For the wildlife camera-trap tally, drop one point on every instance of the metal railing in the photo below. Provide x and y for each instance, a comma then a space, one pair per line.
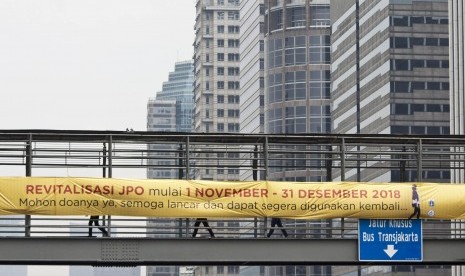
41, 226
225, 157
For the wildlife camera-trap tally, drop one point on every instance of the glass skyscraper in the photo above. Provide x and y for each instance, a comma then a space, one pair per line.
297, 75
297, 94
177, 90
170, 111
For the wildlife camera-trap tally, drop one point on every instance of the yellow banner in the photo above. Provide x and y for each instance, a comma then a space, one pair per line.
182, 198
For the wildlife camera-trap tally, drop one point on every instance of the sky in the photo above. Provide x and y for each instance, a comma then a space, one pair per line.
87, 64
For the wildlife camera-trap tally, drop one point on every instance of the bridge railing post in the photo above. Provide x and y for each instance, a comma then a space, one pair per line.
180, 177
420, 160
343, 175
27, 218
265, 175
110, 175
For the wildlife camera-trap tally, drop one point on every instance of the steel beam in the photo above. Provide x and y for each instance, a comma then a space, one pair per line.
147, 251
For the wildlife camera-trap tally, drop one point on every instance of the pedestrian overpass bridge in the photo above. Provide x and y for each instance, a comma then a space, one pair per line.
141, 241
223, 251
137, 241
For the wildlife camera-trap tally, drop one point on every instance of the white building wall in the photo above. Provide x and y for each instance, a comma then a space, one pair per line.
457, 94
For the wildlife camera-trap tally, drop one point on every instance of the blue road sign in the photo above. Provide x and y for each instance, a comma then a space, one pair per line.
390, 240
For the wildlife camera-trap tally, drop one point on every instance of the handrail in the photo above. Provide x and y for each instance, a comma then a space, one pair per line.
224, 156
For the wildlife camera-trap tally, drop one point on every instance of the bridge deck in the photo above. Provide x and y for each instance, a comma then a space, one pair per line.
147, 251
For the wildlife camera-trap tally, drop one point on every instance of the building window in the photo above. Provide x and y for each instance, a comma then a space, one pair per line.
275, 88
220, 43
295, 86
233, 127
220, 113
233, 113
233, 99
319, 84
320, 119
233, 43
410, 42
220, 127
319, 50
411, 64
220, 57
233, 15
276, 20
233, 71
220, 29
411, 109
220, 98
297, 16
233, 270
220, 15
233, 57
275, 54
233, 85
261, 9
220, 84
295, 48
409, 21
233, 29
220, 71
319, 15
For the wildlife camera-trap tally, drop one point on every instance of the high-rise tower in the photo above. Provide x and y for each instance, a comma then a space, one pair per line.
297, 77
216, 47
457, 96
390, 73
297, 98
216, 89
252, 76
170, 111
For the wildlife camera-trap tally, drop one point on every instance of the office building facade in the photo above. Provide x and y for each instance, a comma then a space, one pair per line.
177, 90
216, 69
297, 98
297, 77
170, 111
216, 54
389, 75
252, 79
457, 63
252, 76
457, 74
390, 70
457, 95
